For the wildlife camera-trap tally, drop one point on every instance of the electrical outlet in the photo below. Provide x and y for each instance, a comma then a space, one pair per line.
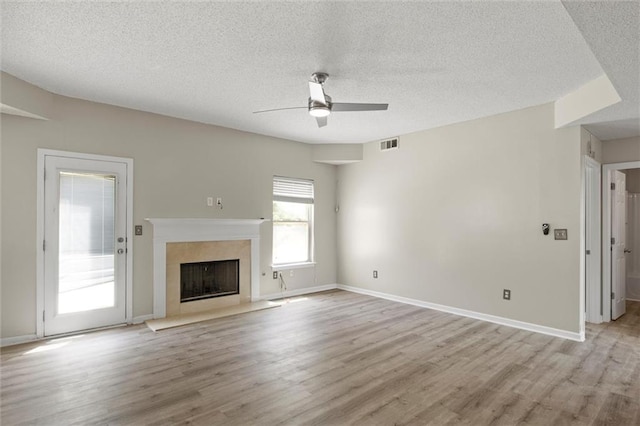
291, 273
375, 274
560, 234
210, 201
506, 294
138, 229
275, 275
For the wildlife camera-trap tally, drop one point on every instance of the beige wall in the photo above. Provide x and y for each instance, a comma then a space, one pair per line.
621, 150
633, 180
588, 141
454, 216
21, 98
177, 164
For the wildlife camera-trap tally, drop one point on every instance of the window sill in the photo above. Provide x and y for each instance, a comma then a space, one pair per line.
298, 265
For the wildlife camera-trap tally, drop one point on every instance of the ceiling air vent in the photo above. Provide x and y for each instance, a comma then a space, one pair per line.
389, 144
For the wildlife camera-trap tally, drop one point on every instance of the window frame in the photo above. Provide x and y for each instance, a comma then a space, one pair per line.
300, 191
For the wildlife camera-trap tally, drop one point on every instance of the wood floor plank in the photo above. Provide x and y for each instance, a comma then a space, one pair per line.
333, 358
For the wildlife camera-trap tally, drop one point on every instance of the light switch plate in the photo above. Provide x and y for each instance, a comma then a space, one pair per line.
138, 229
560, 234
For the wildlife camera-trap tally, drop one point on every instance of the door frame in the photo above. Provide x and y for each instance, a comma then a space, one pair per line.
591, 216
606, 233
40, 219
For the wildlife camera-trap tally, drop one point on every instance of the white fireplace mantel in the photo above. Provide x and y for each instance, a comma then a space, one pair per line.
174, 230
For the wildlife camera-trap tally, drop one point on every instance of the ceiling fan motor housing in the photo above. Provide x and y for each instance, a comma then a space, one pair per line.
320, 77
317, 109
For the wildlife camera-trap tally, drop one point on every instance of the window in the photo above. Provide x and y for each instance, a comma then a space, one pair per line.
292, 220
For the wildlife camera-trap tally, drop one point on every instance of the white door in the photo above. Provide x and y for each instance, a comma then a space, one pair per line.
618, 233
84, 244
593, 245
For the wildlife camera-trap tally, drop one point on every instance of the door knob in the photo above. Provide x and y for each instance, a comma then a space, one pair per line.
120, 251
627, 251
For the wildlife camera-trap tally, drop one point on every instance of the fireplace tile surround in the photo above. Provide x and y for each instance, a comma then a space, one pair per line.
201, 251
236, 232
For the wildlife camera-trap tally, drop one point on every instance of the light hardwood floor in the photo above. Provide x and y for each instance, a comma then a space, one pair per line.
335, 358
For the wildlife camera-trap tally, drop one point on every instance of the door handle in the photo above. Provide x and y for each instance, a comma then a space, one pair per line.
627, 251
120, 251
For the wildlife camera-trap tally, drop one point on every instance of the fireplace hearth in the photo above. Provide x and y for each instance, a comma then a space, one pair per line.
205, 280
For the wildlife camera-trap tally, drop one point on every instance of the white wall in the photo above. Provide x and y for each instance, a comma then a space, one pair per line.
177, 164
593, 96
454, 216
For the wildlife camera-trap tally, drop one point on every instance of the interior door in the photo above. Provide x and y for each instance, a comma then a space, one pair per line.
618, 234
85, 244
593, 243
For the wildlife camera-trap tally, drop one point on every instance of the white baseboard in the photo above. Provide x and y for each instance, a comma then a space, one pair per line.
579, 337
298, 292
142, 318
10, 341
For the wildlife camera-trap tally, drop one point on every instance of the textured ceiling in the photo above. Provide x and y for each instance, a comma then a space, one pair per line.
612, 30
435, 63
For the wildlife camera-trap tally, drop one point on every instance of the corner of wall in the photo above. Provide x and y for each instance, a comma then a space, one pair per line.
24, 99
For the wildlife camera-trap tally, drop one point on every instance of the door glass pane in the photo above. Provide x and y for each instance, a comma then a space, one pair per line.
86, 242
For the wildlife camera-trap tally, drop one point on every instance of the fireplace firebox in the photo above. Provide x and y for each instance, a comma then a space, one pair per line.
204, 280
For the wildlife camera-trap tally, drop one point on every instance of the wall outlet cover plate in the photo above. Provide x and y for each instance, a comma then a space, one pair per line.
506, 294
560, 234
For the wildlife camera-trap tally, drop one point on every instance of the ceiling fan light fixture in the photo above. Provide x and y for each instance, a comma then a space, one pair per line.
319, 111
320, 105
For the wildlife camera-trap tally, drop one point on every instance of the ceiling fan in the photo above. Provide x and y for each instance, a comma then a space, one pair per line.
320, 104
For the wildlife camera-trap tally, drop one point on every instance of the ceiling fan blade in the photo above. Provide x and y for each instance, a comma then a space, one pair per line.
337, 106
278, 109
322, 121
316, 93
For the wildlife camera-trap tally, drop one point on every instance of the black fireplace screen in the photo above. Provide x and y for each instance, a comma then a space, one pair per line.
203, 280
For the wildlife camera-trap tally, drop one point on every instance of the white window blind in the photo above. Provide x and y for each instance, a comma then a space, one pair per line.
292, 220
292, 190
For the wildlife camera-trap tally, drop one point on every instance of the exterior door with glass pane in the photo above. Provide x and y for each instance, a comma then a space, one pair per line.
85, 244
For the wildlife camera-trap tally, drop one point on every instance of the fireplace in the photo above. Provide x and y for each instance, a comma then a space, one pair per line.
192, 266
204, 280
177, 241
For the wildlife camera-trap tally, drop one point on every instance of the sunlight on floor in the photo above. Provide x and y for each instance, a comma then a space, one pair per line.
289, 300
53, 344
